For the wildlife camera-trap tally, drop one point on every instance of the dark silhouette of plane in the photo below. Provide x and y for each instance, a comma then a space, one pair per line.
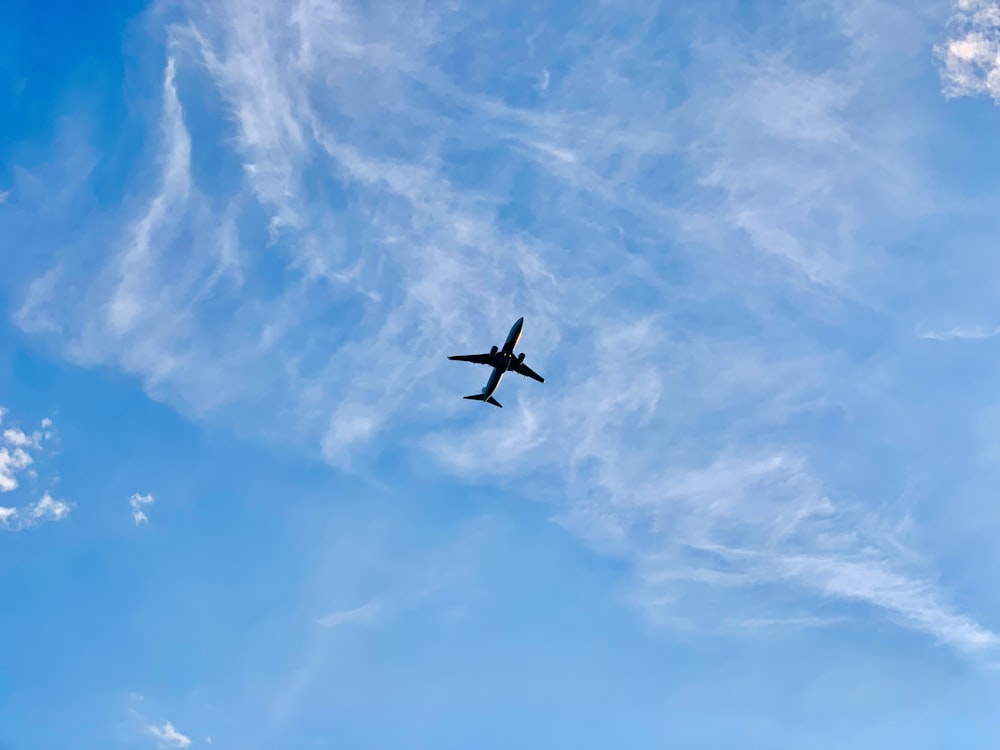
502, 360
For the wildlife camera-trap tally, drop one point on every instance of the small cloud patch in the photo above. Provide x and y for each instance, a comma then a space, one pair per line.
168, 736
970, 59
137, 502
49, 509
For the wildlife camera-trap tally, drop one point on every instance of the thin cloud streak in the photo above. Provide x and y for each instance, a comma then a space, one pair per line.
960, 332
366, 614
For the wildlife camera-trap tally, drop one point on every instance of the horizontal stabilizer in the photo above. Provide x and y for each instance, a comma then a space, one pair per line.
479, 397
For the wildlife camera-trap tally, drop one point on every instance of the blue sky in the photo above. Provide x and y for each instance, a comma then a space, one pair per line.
754, 504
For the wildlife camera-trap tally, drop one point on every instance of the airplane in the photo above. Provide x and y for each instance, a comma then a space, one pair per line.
501, 360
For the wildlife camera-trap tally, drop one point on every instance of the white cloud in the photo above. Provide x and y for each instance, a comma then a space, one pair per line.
12, 462
49, 509
16, 437
960, 332
543, 80
971, 56
137, 502
682, 263
805, 621
168, 736
32, 314
873, 581
3, 196
46, 508
744, 523
366, 614
19, 439
135, 284
15, 456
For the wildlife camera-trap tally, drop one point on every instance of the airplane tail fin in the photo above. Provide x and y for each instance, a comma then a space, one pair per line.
479, 397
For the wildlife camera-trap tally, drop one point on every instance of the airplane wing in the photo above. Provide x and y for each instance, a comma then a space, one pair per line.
479, 359
523, 369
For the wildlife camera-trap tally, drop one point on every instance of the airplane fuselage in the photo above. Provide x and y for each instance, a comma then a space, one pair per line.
501, 359
504, 360
513, 337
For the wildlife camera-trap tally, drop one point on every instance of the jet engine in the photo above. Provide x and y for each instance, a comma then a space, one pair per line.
520, 358
493, 350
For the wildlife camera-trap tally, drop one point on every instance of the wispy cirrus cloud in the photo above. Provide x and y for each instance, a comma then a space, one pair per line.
972, 333
366, 614
693, 262
960, 332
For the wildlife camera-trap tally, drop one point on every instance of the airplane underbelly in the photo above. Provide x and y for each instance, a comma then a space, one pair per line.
494, 381
513, 337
